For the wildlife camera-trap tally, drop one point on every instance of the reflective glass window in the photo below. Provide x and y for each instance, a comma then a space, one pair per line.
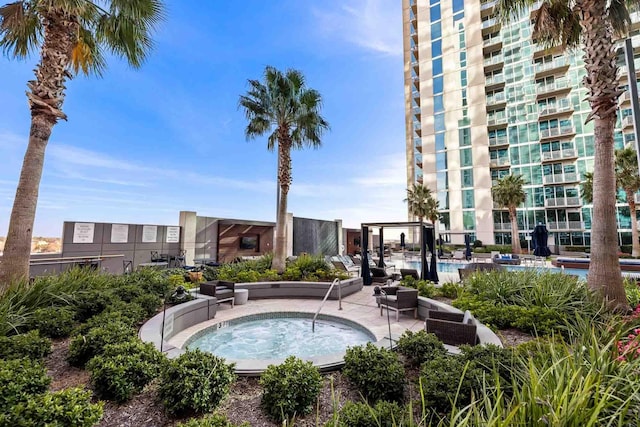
435, 12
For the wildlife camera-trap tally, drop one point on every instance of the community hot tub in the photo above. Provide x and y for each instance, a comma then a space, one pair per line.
255, 341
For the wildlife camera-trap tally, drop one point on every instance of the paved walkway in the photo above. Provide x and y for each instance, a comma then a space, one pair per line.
359, 307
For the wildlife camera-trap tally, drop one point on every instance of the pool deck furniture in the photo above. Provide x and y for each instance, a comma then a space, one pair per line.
481, 257
399, 298
474, 267
222, 290
583, 263
379, 275
411, 272
241, 296
507, 259
452, 328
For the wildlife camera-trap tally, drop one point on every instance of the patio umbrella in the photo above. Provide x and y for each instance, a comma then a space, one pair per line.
365, 273
381, 241
423, 254
467, 244
402, 244
431, 241
540, 236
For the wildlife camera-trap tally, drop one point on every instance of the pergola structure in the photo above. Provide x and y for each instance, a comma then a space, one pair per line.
427, 240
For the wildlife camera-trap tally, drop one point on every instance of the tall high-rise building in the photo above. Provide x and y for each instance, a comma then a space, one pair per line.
483, 101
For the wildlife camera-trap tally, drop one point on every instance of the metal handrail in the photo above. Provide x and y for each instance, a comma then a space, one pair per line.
313, 323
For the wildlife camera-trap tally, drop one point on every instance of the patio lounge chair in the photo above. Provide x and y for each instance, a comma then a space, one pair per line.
409, 272
474, 267
452, 328
399, 298
223, 291
379, 275
340, 264
507, 259
458, 256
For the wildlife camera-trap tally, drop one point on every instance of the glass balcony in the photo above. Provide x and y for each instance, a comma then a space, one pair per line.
559, 155
490, 41
488, 23
560, 178
496, 120
498, 98
416, 111
559, 202
494, 80
557, 63
558, 85
492, 60
501, 162
627, 122
558, 131
560, 107
498, 140
566, 225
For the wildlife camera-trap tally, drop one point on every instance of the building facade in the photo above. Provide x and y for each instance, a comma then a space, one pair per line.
483, 100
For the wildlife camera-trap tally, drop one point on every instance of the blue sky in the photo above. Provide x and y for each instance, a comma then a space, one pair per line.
142, 145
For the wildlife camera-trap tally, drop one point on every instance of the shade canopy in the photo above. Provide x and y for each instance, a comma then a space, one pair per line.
540, 236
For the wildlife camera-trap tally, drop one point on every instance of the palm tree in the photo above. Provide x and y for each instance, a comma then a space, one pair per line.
286, 107
422, 204
628, 179
592, 25
72, 36
508, 193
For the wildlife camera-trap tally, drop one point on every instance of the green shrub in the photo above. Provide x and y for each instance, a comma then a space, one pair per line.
151, 280
420, 346
20, 379
195, 382
67, 408
176, 280
375, 372
292, 273
477, 243
269, 276
30, 345
127, 292
53, 322
130, 310
123, 370
633, 292
290, 389
493, 360
382, 414
247, 276
214, 420
149, 303
107, 317
92, 302
425, 288
210, 273
448, 381
309, 264
84, 347
450, 290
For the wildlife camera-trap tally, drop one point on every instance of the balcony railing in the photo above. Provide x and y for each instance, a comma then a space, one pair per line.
560, 178
627, 122
556, 108
550, 65
489, 23
566, 225
569, 153
494, 80
484, 5
502, 226
503, 161
498, 140
496, 99
416, 110
562, 202
492, 121
550, 87
493, 59
488, 41
559, 131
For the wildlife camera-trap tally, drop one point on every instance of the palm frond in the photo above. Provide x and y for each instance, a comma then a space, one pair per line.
508, 10
20, 29
508, 192
87, 55
619, 17
557, 24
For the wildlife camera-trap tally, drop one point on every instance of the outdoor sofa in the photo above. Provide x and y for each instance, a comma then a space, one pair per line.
222, 290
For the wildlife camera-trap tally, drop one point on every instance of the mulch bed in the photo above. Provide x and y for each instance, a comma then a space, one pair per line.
242, 404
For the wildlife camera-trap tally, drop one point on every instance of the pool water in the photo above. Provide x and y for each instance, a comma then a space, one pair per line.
277, 338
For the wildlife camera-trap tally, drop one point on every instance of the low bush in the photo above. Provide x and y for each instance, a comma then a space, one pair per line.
215, 420
426, 288
493, 360
107, 317
127, 292
450, 290
85, 346
20, 379
130, 310
30, 345
449, 381
382, 414
67, 408
92, 302
375, 372
632, 289
420, 346
53, 322
290, 389
123, 370
195, 382
150, 303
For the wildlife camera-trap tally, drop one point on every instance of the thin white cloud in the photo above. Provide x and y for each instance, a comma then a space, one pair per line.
375, 25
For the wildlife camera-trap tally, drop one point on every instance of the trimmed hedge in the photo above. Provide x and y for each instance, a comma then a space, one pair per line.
91, 344
20, 379
53, 322
375, 372
30, 345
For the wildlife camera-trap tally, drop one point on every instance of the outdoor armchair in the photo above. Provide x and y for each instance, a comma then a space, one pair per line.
452, 328
222, 290
399, 298
379, 275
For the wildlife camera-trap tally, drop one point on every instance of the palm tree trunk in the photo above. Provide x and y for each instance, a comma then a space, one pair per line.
601, 81
515, 235
45, 99
284, 176
635, 248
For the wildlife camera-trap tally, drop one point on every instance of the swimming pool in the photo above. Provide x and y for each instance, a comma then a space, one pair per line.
278, 335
